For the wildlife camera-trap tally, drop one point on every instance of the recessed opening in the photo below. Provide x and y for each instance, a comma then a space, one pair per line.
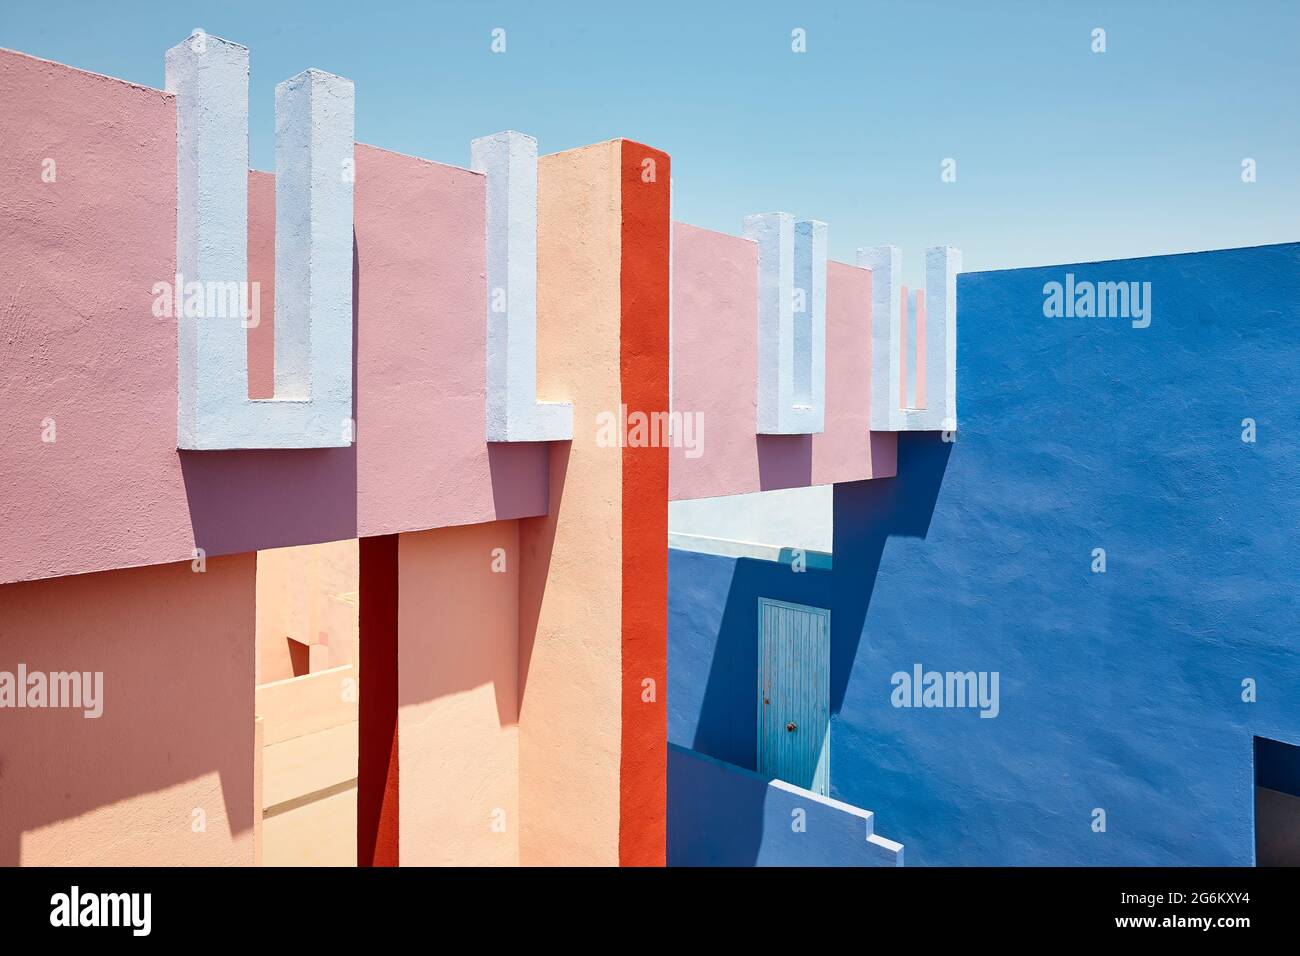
790, 525
307, 696
1277, 803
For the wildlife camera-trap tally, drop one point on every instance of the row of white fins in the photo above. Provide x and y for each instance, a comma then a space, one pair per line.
312, 407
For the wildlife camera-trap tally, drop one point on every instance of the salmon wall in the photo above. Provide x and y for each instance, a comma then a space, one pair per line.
165, 775
306, 609
458, 646
593, 587
570, 719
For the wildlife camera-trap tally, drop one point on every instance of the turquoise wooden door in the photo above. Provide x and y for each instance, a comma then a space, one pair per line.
794, 694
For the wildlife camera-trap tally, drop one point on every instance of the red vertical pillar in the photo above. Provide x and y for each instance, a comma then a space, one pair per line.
377, 819
643, 361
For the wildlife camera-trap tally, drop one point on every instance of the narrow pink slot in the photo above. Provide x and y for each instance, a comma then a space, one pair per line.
902, 347
920, 348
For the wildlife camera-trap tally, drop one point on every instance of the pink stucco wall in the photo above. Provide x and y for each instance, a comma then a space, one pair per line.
715, 369
423, 460
848, 450
81, 346
78, 257
82, 349
176, 735
261, 267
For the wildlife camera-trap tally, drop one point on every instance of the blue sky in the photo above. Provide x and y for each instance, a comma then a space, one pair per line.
1062, 154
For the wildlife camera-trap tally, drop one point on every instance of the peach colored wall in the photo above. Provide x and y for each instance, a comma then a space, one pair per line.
309, 731
458, 622
78, 263
307, 594
571, 587
310, 594
715, 373
176, 735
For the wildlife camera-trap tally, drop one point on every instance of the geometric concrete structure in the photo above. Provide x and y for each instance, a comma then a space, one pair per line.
486, 749
914, 342
212, 301
716, 378
495, 652
510, 597
886, 265
592, 602
791, 323
809, 326
509, 160
705, 829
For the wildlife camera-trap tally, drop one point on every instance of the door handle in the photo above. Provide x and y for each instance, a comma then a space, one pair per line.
791, 727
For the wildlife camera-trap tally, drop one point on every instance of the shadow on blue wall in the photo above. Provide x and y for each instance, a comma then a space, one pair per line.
727, 725
1136, 693
723, 815
721, 717
1277, 766
714, 819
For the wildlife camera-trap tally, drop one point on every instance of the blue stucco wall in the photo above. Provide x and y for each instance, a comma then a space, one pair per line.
1120, 691
723, 815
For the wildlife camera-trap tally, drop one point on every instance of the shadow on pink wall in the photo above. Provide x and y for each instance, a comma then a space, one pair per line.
86, 352
176, 654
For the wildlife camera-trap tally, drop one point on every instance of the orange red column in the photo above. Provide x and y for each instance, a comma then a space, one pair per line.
643, 360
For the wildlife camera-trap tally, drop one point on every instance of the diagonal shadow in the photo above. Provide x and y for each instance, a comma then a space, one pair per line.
867, 514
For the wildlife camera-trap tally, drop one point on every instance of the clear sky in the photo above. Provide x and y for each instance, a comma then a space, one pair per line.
1062, 154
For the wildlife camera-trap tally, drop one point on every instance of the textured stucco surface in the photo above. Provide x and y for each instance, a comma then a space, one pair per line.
458, 643
78, 341
570, 675
715, 374
509, 161
261, 269
208, 77
783, 518
594, 579
82, 347
176, 735
423, 460
306, 596
914, 340
724, 815
643, 373
791, 323
1120, 691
